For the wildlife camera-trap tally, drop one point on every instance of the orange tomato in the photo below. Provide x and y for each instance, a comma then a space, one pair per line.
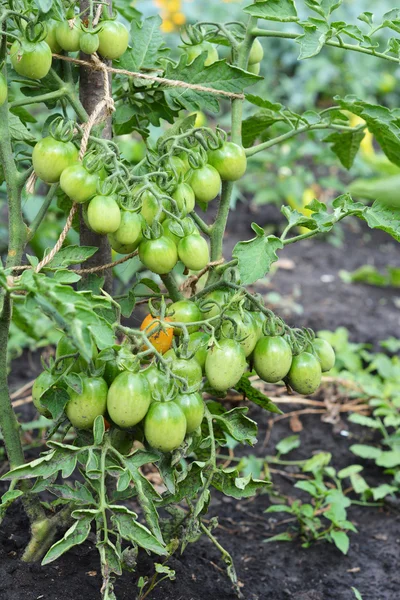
161, 340
107, 425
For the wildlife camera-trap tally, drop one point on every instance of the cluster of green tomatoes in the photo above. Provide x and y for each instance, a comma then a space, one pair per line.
152, 385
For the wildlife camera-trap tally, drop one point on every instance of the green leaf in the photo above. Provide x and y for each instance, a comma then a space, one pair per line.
382, 216
341, 540
237, 425
274, 10
131, 530
71, 255
147, 45
288, 444
98, 430
317, 462
229, 482
359, 484
365, 451
263, 103
126, 10
389, 459
254, 395
348, 471
256, 256
365, 421
357, 594
41, 467
75, 535
307, 486
313, 39
345, 145
44, 5
280, 537
55, 400
278, 508
7, 499
17, 129
79, 494
257, 124
110, 561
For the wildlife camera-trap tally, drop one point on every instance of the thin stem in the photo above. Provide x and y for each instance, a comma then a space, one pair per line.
42, 211
201, 224
258, 32
172, 287
37, 99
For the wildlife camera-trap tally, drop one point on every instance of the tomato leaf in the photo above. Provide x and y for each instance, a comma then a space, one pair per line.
147, 45
341, 540
313, 39
237, 425
274, 10
254, 395
132, 531
345, 145
256, 256
232, 484
75, 535
382, 216
71, 255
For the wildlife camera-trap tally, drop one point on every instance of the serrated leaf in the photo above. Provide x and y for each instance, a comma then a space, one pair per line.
256, 256
231, 484
341, 540
263, 103
55, 400
237, 425
41, 467
312, 40
71, 255
147, 45
256, 396
345, 145
130, 529
384, 217
274, 10
17, 129
257, 124
79, 494
7, 499
75, 535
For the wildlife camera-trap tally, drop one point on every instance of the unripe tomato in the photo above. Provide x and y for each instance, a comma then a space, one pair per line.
113, 39
161, 340
184, 311
130, 230
213, 303
78, 183
128, 399
259, 320
68, 35
325, 354
120, 248
189, 369
201, 119
42, 383
255, 69
3, 89
66, 347
89, 42
185, 198
50, 157
198, 341
244, 331
111, 371
158, 381
31, 59
192, 406
150, 207
193, 251
225, 364
82, 409
194, 51
104, 215
165, 426
176, 166
272, 358
304, 376
206, 183
50, 38
159, 256
229, 160
168, 231
256, 53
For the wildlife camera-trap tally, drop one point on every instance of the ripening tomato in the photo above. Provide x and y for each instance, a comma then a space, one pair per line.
130, 230
305, 373
50, 39
325, 354
225, 364
82, 409
40, 386
241, 327
113, 39
192, 406
31, 59
3, 89
50, 157
194, 51
165, 426
89, 42
185, 198
184, 311
206, 183
159, 255
193, 251
229, 160
198, 343
128, 399
161, 340
78, 183
68, 35
104, 215
272, 358
256, 53
189, 369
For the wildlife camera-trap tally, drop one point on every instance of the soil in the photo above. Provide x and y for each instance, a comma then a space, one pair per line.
266, 571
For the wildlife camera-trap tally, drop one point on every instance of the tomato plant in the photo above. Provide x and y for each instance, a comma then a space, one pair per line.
130, 158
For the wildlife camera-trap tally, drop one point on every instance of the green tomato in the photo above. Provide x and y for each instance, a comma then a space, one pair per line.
243, 329
130, 230
41, 385
128, 399
325, 354
113, 39
89, 43
104, 215
121, 440
50, 157
150, 206
66, 347
159, 256
256, 53
167, 231
225, 364
255, 69
272, 358
158, 381
78, 183
213, 302
165, 426
184, 311
176, 167
185, 198
111, 371
120, 248
206, 183
259, 320
50, 38
82, 409
31, 59
229, 160
192, 406
198, 343
3, 89
189, 369
194, 51
305, 373
67, 36
193, 251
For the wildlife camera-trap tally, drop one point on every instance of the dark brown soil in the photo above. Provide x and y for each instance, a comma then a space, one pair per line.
276, 571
